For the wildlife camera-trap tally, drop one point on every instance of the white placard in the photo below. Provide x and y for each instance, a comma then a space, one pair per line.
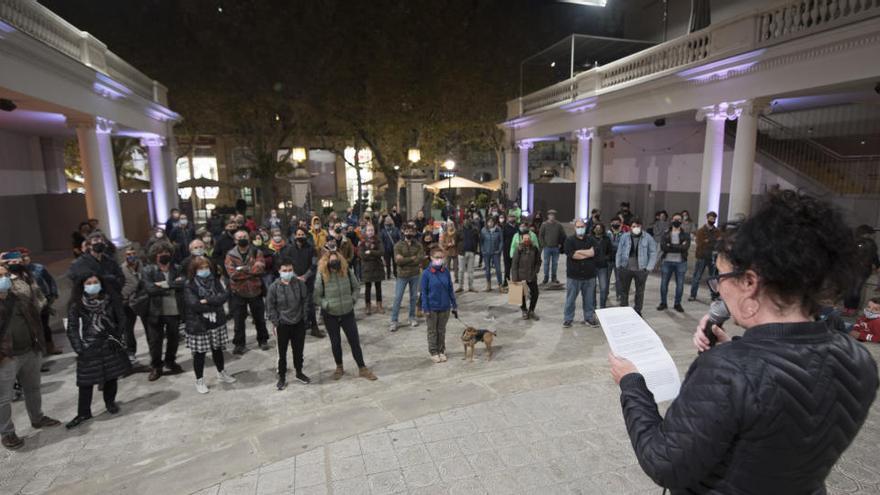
630, 337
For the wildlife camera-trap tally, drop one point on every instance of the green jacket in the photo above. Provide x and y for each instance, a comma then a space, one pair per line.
515, 242
413, 254
338, 295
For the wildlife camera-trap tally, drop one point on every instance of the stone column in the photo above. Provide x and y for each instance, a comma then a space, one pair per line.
524, 147
102, 191
158, 178
597, 171
52, 151
511, 178
582, 173
169, 161
744, 159
713, 156
415, 193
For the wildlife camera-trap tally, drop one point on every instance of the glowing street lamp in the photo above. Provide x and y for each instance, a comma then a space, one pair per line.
449, 165
299, 154
414, 155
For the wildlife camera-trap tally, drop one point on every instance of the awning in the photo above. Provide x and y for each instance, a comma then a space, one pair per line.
458, 183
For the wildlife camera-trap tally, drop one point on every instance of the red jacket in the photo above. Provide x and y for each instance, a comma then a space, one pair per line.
247, 281
869, 330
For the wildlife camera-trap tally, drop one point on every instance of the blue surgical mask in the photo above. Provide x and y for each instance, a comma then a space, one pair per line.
92, 289
868, 313
5, 283
287, 276
204, 272
580, 230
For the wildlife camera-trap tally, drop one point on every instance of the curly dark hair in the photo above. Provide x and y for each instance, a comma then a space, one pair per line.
799, 245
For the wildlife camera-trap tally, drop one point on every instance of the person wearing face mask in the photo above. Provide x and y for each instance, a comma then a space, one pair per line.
551, 235
94, 327
370, 251
395, 217
509, 229
438, 299
96, 260
675, 244
131, 270
687, 224
206, 329
260, 241
420, 221
409, 254
604, 259
450, 242
636, 256
304, 258
319, 235
773, 410
867, 327
336, 292
660, 225
21, 348
706, 238
197, 250
580, 271
526, 264
181, 236
79, 237
492, 245
470, 242
172, 220
868, 263
523, 230
286, 305
224, 243
273, 221
245, 267
164, 282
390, 236
48, 287
614, 235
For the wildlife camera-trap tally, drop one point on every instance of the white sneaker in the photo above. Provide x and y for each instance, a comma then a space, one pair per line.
435, 358
200, 386
225, 377
442, 357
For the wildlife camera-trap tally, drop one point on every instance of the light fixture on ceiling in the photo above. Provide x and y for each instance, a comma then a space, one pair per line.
552, 64
587, 3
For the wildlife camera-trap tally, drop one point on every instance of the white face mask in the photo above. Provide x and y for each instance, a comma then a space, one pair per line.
637, 230
871, 315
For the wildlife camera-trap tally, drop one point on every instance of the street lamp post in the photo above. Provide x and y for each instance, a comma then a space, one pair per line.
449, 165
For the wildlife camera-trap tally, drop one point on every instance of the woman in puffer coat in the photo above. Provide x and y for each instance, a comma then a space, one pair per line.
95, 322
370, 252
772, 411
336, 292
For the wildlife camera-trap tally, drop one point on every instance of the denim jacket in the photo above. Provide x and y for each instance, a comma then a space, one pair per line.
647, 251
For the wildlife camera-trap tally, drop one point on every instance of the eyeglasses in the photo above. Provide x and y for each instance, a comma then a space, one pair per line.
714, 280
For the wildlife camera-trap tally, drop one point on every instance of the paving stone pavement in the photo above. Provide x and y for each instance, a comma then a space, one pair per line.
542, 417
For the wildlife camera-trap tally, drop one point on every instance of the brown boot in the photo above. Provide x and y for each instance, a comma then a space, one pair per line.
12, 441
379, 308
338, 373
366, 373
369, 309
155, 373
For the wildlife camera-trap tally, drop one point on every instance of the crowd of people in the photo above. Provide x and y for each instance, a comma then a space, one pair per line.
297, 274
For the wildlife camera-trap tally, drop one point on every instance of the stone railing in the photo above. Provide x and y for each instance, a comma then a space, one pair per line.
43, 25
783, 21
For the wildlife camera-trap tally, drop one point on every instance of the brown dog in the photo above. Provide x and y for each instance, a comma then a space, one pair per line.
471, 336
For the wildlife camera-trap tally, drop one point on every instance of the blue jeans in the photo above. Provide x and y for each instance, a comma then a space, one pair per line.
586, 289
551, 261
602, 278
491, 260
669, 267
399, 288
698, 274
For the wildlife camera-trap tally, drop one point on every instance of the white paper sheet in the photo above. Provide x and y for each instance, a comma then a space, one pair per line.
630, 337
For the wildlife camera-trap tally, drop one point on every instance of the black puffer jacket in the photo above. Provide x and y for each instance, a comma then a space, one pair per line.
196, 321
768, 413
99, 357
152, 274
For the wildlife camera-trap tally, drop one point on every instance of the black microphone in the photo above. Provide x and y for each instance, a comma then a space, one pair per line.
718, 314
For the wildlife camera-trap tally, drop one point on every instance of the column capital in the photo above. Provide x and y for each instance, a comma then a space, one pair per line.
586, 133
98, 124
525, 145
753, 107
719, 111
153, 142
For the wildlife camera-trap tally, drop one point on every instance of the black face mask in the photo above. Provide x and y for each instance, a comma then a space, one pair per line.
334, 264
242, 242
300, 240
16, 268
165, 259
676, 223
408, 236
98, 248
615, 226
